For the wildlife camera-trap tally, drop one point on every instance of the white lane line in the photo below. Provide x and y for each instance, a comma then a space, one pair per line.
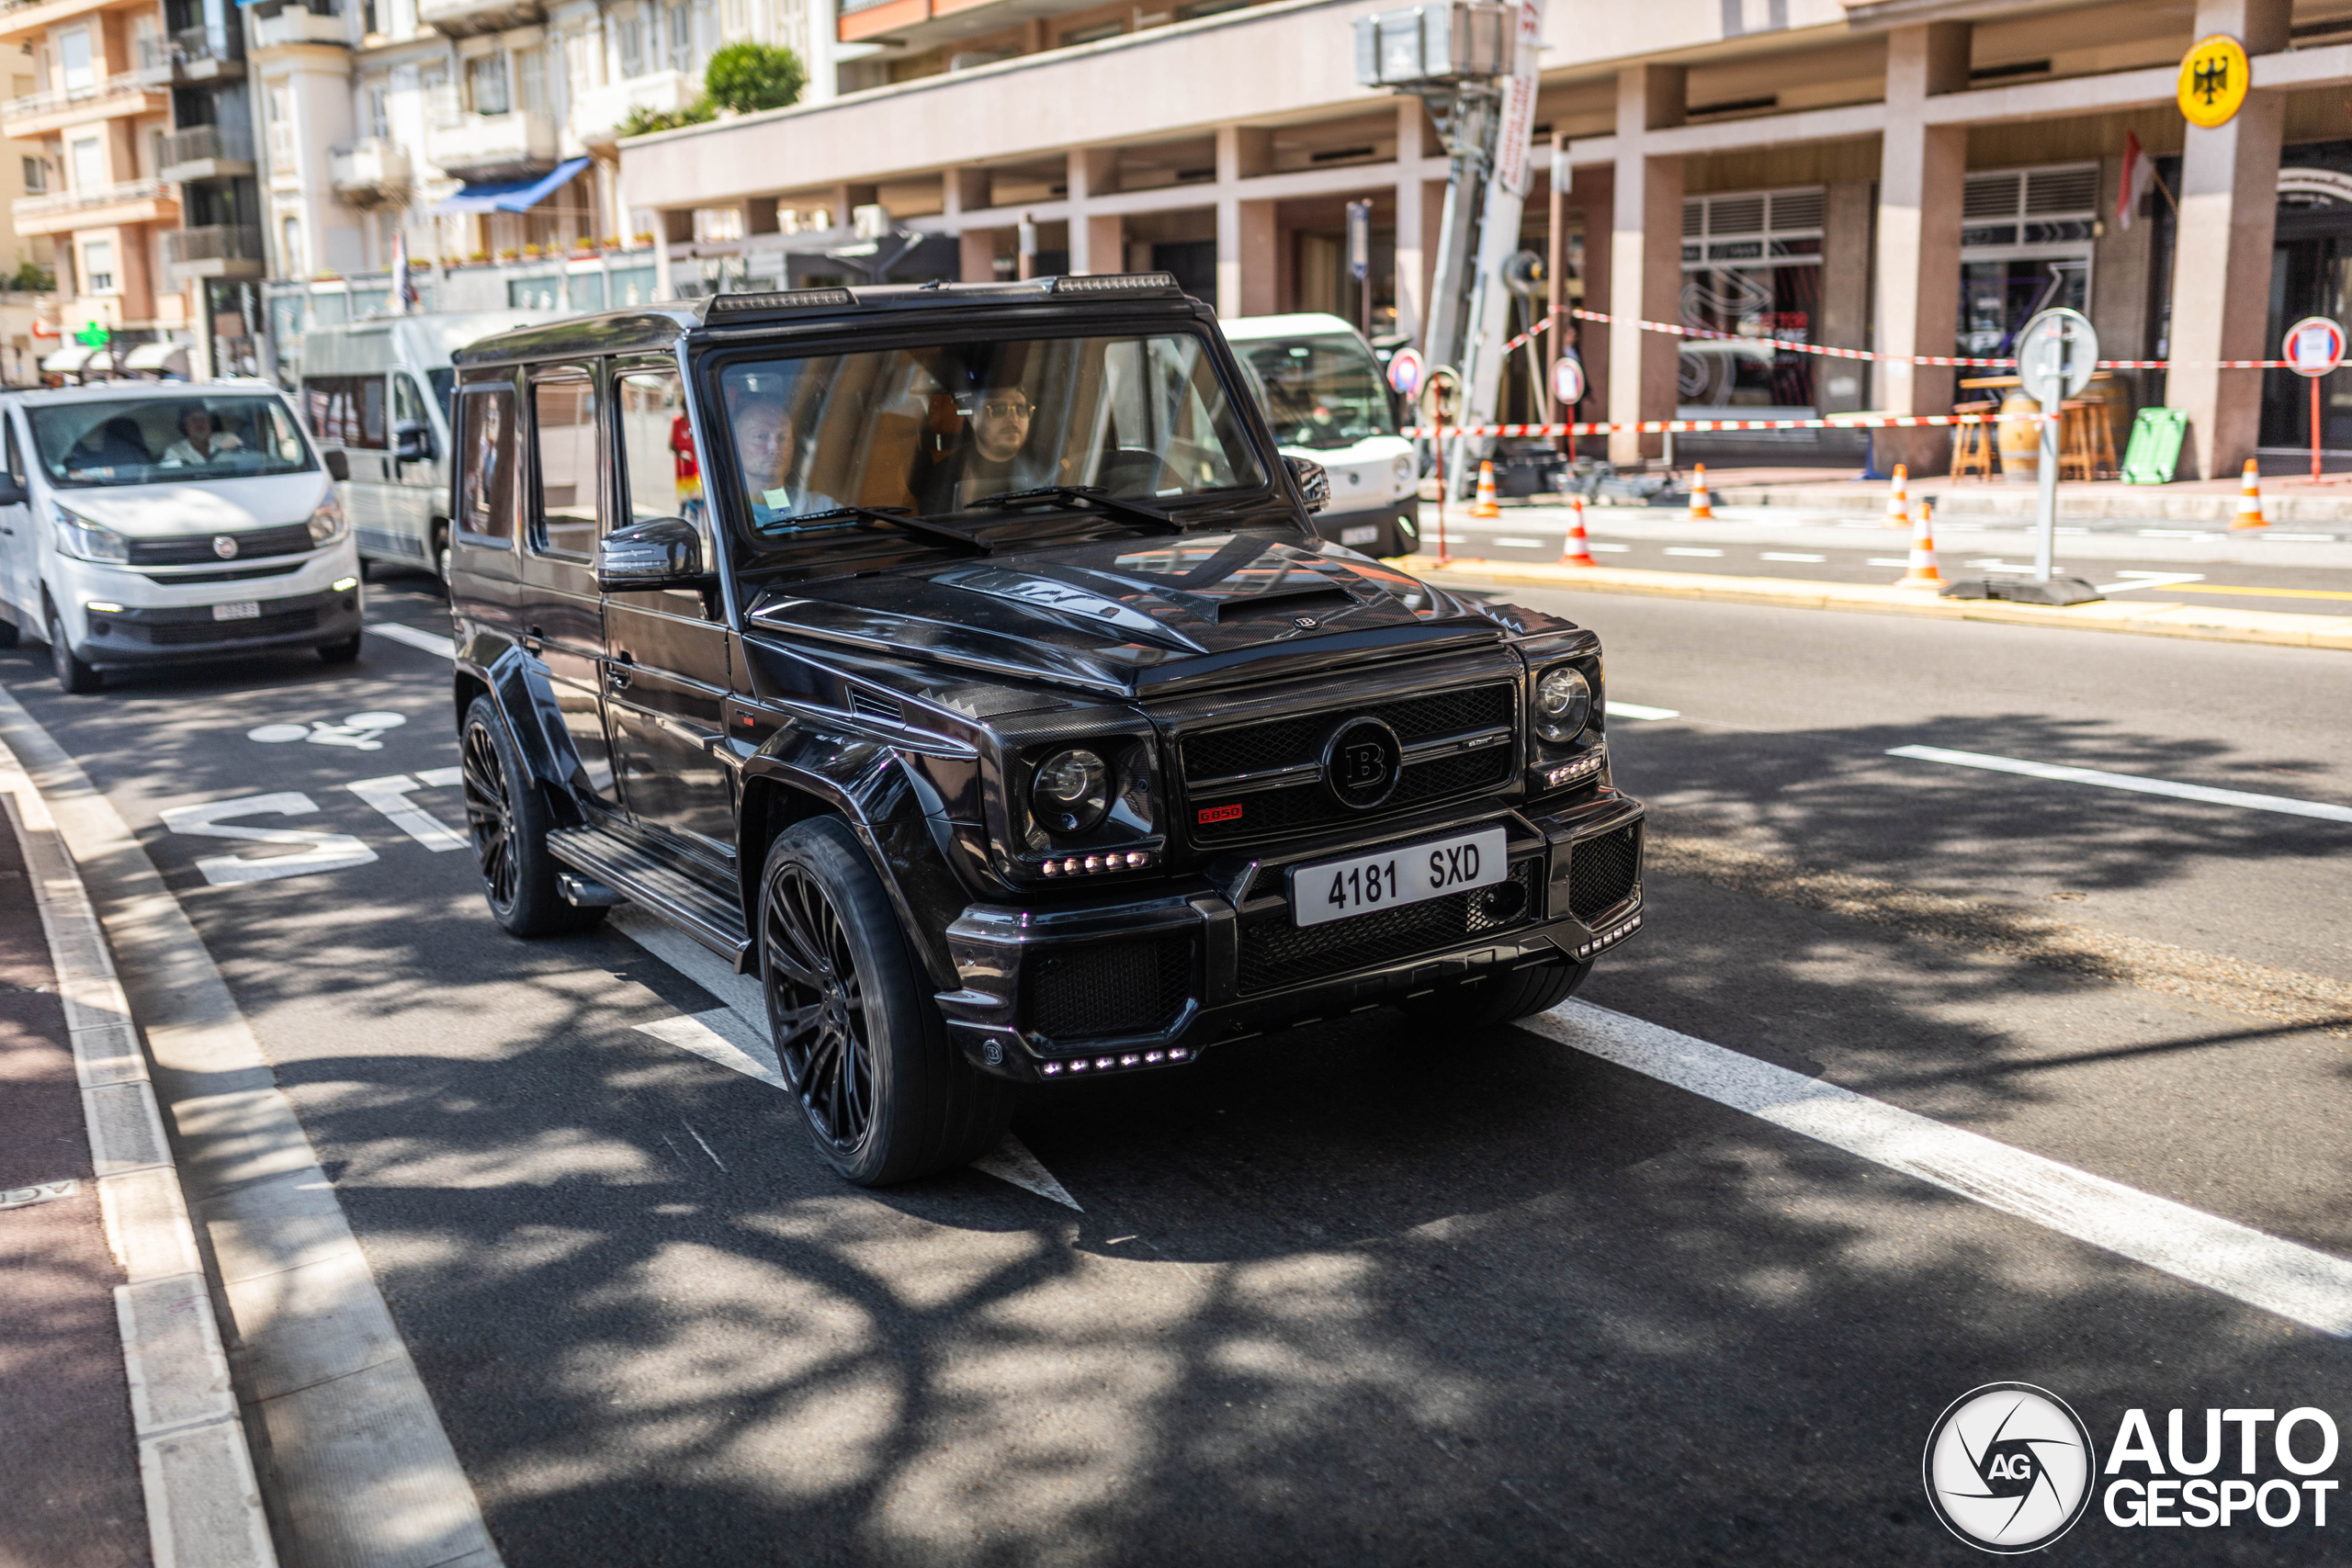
2298, 1282
1616, 709
736, 1037
390, 794
2174, 534
416, 637
1524, 544
1596, 547
2272, 534
1688, 550
2285, 803
1888, 561
1784, 555
2132, 579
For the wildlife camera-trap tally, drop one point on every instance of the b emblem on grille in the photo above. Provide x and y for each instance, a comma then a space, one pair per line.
1305, 623
1360, 762
224, 546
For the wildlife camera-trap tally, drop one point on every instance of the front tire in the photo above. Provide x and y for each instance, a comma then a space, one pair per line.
1501, 999
507, 819
73, 674
884, 1092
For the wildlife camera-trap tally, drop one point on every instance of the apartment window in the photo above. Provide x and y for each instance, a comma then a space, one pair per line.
88, 164
440, 97
631, 31
379, 113
36, 175
792, 26
73, 69
368, 14
681, 29
486, 83
289, 252
531, 65
98, 265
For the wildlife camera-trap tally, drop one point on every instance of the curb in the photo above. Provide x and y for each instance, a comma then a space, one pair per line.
203, 1501
358, 1469
2136, 504
2141, 618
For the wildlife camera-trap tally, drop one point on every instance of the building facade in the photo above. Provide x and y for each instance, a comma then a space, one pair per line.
1911, 178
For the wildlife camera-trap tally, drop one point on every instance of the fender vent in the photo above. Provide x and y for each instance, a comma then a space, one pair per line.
867, 706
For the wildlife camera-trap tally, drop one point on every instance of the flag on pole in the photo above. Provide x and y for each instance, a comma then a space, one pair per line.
404, 298
2139, 171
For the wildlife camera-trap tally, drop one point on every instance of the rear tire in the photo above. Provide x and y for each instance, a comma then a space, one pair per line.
1501, 999
507, 819
10, 634
885, 1094
73, 674
344, 652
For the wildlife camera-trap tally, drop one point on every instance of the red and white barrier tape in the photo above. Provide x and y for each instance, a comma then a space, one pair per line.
1677, 331
1677, 426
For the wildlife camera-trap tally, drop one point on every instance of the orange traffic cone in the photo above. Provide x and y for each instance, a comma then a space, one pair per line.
1485, 505
1577, 551
2249, 513
1898, 499
1923, 572
1703, 505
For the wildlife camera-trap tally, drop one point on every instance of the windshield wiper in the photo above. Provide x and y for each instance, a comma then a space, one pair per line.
903, 518
1150, 517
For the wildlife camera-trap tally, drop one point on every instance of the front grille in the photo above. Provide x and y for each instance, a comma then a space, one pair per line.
197, 549
1135, 987
1275, 953
239, 574
1603, 871
185, 633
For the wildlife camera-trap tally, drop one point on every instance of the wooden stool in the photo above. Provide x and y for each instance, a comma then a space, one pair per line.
1973, 444
2085, 440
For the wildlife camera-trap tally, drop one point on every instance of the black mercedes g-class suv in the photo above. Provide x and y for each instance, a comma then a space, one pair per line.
962, 663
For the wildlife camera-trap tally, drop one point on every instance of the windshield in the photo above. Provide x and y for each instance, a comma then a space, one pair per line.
164, 440
938, 429
1321, 392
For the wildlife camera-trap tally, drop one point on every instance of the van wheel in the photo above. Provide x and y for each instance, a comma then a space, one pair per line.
886, 1095
507, 819
72, 675
344, 652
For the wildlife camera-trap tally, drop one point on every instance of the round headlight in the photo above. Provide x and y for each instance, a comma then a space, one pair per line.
1071, 791
1563, 702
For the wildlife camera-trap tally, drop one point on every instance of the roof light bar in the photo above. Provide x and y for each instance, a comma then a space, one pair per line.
780, 299
1117, 283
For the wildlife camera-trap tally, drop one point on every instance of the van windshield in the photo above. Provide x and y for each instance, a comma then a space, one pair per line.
1321, 392
939, 431
165, 440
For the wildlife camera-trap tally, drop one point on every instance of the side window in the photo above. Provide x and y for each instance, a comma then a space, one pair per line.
407, 402
486, 480
662, 475
563, 443
346, 411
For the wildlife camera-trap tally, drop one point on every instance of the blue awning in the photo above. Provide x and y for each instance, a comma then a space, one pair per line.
513, 196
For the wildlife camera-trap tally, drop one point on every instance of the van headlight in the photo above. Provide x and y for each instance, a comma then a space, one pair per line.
1401, 473
85, 540
327, 523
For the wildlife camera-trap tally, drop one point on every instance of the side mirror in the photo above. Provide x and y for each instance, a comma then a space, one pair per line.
338, 462
663, 553
412, 442
1314, 484
12, 490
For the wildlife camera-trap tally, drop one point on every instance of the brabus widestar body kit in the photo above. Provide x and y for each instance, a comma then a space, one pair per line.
960, 661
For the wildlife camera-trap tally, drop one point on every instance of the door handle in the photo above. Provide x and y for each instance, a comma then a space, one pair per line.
617, 670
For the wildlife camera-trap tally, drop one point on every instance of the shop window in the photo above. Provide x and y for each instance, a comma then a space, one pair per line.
486, 83
2025, 247
1751, 270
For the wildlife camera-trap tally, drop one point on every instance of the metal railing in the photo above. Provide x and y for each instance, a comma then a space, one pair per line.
188, 46
90, 196
216, 241
42, 103
202, 143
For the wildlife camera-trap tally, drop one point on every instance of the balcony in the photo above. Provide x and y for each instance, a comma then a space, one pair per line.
458, 18
191, 57
217, 250
296, 24
597, 112
206, 153
97, 206
40, 112
517, 145
373, 173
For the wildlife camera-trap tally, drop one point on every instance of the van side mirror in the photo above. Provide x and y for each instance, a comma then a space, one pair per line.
412, 442
1314, 484
12, 490
663, 553
338, 462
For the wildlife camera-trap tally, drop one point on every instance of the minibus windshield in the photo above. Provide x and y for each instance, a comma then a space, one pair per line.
1322, 393
165, 440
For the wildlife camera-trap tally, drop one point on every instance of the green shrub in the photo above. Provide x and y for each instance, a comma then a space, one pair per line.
749, 77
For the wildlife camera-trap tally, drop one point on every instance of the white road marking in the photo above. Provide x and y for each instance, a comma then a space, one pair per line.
1616, 709
2285, 803
736, 1037
1888, 561
320, 852
360, 732
1688, 550
1525, 544
2297, 1282
2296, 538
2174, 534
416, 637
390, 794
704, 1142
1599, 548
1995, 563
1783, 555
2132, 579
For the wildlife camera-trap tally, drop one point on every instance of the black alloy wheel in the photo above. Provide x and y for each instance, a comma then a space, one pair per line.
507, 821
864, 1050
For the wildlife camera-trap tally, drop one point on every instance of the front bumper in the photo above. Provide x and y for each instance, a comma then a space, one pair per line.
1390, 530
141, 634
1138, 982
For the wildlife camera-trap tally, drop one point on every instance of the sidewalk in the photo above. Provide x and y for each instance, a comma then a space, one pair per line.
120, 1442
2287, 497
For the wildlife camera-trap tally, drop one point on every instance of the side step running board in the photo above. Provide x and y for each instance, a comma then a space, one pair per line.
622, 868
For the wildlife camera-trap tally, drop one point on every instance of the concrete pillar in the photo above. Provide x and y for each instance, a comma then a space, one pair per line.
1646, 258
2221, 278
676, 226
1844, 317
1592, 192
1922, 169
961, 191
849, 196
1097, 241
1246, 260
1414, 237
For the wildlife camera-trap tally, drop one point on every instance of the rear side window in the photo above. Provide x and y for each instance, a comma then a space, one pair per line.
346, 411
563, 423
16, 453
486, 483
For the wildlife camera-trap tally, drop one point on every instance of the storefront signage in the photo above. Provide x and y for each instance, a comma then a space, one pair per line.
2213, 79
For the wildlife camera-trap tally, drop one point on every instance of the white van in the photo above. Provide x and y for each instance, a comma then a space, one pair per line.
379, 392
150, 523
1326, 402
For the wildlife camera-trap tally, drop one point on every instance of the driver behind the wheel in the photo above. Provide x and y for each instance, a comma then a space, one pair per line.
767, 445
994, 455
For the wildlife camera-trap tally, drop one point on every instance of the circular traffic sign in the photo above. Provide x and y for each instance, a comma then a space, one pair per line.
1567, 379
2214, 76
2056, 353
2314, 347
1405, 372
